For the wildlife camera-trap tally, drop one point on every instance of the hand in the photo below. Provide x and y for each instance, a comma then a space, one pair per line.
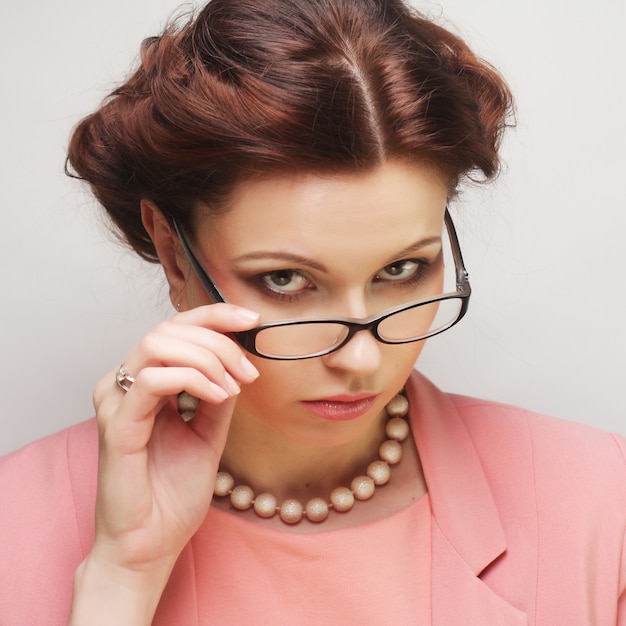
156, 472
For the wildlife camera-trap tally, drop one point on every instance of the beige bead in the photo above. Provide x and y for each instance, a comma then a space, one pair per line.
242, 497
390, 451
363, 487
379, 472
342, 499
224, 483
265, 505
291, 511
397, 428
187, 405
398, 406
316, 509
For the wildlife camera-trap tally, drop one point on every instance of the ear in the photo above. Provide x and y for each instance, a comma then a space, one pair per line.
168, 249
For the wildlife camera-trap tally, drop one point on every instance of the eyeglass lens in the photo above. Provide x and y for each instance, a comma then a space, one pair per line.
308, 338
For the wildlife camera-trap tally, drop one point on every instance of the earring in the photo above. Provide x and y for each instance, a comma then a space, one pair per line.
178, 307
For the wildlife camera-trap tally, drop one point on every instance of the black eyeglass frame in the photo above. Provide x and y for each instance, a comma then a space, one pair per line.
247, 338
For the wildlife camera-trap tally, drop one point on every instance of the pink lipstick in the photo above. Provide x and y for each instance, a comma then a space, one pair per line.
341, 408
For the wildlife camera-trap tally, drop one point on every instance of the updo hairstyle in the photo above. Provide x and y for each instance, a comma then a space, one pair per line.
253, 88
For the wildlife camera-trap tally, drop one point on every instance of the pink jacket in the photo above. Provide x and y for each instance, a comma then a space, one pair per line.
529, 518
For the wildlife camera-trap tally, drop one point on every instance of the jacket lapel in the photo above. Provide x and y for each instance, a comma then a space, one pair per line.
467, 535
459, 596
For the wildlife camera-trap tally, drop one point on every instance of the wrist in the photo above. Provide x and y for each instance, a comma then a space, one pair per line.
106, 594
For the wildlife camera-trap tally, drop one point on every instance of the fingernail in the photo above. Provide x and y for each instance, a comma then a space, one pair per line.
246, 315
231, 384
220, 393
249, 369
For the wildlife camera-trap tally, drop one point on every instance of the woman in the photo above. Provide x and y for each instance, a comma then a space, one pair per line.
268, 453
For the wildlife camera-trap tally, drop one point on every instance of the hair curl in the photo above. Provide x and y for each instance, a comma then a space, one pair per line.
251, 88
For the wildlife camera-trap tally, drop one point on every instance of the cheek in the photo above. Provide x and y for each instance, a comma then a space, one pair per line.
410, 353
278, 382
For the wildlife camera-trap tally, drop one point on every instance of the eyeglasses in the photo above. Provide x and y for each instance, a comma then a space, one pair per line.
306, 339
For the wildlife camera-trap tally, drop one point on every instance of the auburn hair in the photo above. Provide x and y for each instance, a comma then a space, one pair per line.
247, 88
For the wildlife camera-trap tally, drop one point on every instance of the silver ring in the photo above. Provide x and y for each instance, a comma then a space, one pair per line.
123, 379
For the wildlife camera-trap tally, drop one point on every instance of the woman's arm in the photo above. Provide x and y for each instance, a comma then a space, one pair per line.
155, 471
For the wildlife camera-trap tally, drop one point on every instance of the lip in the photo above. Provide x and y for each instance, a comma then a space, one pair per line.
342, 407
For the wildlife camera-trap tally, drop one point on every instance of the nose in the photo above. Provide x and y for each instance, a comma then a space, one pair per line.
360, 356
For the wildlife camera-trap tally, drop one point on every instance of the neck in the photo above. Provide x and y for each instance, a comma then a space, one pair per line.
269, 461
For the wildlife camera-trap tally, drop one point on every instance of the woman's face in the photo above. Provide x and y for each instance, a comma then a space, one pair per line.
310, 246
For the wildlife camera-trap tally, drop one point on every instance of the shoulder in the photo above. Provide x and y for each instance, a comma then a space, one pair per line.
550, 440
511, 435
536, 467
51, 468
46, 521
563, 474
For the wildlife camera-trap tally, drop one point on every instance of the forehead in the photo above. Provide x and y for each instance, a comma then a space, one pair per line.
312, 214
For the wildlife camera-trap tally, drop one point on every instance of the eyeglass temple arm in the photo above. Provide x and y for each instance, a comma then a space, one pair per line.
207, 283
462, 276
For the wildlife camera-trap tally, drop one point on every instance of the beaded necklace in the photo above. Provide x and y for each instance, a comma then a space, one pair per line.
292, 511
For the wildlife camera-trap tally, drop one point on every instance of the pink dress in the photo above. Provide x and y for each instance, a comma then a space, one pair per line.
377, 573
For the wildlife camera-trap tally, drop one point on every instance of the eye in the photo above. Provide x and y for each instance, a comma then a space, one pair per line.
285, 281
399, 271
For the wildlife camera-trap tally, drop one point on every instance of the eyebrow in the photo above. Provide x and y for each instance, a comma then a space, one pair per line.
288, 257
296, 259
413, 248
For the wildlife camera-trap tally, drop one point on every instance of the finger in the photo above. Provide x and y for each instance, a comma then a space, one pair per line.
171, 344
162, 351
156, 385
222, 316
